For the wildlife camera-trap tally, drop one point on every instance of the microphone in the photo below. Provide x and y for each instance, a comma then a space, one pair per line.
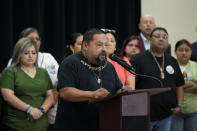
122, 63
131, 69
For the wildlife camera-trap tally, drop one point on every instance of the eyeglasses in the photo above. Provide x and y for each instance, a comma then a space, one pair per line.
133, 45
108, 30
165, 37
182, 50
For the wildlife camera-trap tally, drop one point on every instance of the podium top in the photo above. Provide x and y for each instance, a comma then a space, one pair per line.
152, 91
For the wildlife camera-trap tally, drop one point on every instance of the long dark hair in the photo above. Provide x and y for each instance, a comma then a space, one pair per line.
71, 41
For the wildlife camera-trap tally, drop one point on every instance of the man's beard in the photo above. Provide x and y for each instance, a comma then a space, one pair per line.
99, 61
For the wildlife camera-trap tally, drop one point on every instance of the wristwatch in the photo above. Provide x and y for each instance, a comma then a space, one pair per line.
180, 106
42, 110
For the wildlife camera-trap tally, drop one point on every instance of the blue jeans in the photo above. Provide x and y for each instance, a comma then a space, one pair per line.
184, 122
161, 125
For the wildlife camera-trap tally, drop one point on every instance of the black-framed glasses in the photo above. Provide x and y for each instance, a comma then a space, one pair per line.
108, 30
165, 37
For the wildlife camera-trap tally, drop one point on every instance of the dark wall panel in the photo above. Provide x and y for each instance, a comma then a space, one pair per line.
57, 19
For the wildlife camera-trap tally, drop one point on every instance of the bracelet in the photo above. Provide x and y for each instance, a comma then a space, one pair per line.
27, 108
180, 106
29, 111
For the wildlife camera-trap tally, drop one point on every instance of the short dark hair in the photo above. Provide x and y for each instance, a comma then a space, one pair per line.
181, 42
158, 28
88, 36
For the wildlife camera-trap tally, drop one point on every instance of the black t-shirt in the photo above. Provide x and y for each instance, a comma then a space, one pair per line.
162, 103
194, 50
75, 71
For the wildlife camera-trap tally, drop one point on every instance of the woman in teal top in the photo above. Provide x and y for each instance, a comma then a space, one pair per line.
187, 120
26, 89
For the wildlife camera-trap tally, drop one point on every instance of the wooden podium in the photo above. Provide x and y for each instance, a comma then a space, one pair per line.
127, 111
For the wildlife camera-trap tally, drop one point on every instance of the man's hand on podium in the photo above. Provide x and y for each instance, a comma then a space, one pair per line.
99, 94
124, 89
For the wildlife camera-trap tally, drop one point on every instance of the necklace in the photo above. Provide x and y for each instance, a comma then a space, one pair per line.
96, 71
161, 68
93, 68
98, 78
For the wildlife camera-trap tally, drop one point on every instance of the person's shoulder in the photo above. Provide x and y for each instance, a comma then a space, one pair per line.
72, 59
170, 57
46, 54
109, 64
41, 69
193, 62
194, 44
10, 69
141, 54
46, 58
141, 58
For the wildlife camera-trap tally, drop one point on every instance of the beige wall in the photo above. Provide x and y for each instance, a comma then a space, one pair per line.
179, 17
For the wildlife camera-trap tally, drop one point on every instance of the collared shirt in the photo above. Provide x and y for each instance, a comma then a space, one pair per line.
145, 42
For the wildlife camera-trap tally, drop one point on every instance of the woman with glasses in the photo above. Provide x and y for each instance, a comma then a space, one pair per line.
125, 77
186, 121
46, 61
131, 47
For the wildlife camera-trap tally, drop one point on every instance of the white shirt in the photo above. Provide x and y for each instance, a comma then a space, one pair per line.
48, 62
145, 42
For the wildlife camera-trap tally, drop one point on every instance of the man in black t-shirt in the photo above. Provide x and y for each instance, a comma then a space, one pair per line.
84, 77
156, 63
